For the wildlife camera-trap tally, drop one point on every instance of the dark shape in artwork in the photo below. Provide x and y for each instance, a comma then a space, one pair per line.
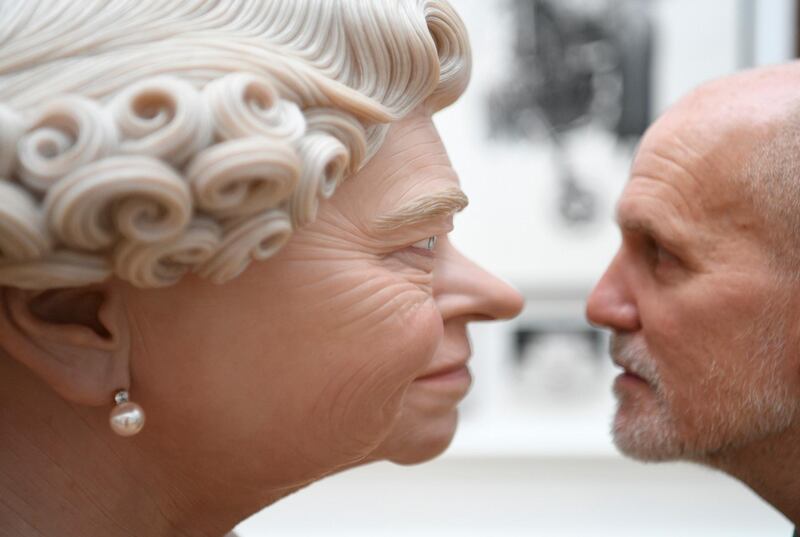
575, 64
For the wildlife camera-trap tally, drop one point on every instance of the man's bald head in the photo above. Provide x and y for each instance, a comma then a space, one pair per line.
745, 129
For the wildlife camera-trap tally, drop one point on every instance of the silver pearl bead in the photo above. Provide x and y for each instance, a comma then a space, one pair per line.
127, 419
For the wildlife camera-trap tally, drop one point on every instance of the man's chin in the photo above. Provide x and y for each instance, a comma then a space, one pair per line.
646, 437
644, 453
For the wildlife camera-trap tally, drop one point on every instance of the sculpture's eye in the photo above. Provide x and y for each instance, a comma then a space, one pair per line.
428, 244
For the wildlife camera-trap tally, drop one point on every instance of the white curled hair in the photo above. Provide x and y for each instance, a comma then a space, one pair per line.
146, 139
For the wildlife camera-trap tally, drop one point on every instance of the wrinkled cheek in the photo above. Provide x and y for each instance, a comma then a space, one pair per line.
363, 405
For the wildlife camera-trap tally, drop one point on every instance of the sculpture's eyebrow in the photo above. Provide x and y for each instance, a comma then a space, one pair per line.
428, 206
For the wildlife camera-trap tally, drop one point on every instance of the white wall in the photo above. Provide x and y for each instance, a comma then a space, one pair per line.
522, 497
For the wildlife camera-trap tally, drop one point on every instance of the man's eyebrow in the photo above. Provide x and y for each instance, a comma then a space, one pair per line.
425, 207
635, 224
646, 225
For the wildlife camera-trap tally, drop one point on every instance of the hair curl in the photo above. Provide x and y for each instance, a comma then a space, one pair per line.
145, 139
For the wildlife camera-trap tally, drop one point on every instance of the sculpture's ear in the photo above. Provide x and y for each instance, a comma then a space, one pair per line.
76, 340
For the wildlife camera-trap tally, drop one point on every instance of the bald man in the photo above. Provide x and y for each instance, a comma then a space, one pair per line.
703, 296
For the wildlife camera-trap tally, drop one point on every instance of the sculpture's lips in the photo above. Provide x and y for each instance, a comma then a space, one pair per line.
451, 368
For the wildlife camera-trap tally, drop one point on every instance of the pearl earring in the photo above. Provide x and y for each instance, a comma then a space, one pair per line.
126, 418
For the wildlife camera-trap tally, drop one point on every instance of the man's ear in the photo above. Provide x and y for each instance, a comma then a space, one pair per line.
76, 340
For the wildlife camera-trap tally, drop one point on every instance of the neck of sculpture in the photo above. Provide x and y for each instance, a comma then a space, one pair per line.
62, 472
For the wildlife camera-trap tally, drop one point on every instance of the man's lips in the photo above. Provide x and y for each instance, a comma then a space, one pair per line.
628, 370
632, 376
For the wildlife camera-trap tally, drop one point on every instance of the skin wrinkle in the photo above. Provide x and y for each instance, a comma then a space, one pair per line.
352, 385
706, 162
371, 316
410, 131
374, 383
332, 275
384, 313
406, 168
402, 165
135, 477
662, 183
74, 483
417, 269
335, 399
4, 501
399, 163
698, 158
323, 241
99, 506
683, 148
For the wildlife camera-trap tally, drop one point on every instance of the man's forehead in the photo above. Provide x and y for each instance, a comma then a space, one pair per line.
723, 121
689, 203
694, 158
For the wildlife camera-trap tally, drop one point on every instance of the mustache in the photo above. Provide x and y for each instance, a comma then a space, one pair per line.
631, 354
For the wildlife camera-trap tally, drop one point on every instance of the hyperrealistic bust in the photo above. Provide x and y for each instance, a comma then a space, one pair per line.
224, 237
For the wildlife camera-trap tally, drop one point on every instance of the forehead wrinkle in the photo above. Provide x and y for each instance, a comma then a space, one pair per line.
671, 166
706, 148
417, 122
702, 165
702, 200
667, 170
658, 189
424, 158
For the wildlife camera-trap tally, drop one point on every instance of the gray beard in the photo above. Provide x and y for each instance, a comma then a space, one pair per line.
732, 412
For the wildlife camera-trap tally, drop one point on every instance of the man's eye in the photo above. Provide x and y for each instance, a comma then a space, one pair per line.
663, 257
659, 256
428, 244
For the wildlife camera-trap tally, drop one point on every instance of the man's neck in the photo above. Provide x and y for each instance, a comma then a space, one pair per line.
771, 467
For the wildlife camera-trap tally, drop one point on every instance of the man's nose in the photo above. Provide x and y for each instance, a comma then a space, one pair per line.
469, 290
611, 303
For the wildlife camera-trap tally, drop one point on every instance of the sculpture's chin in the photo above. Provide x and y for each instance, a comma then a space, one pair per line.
419, 444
